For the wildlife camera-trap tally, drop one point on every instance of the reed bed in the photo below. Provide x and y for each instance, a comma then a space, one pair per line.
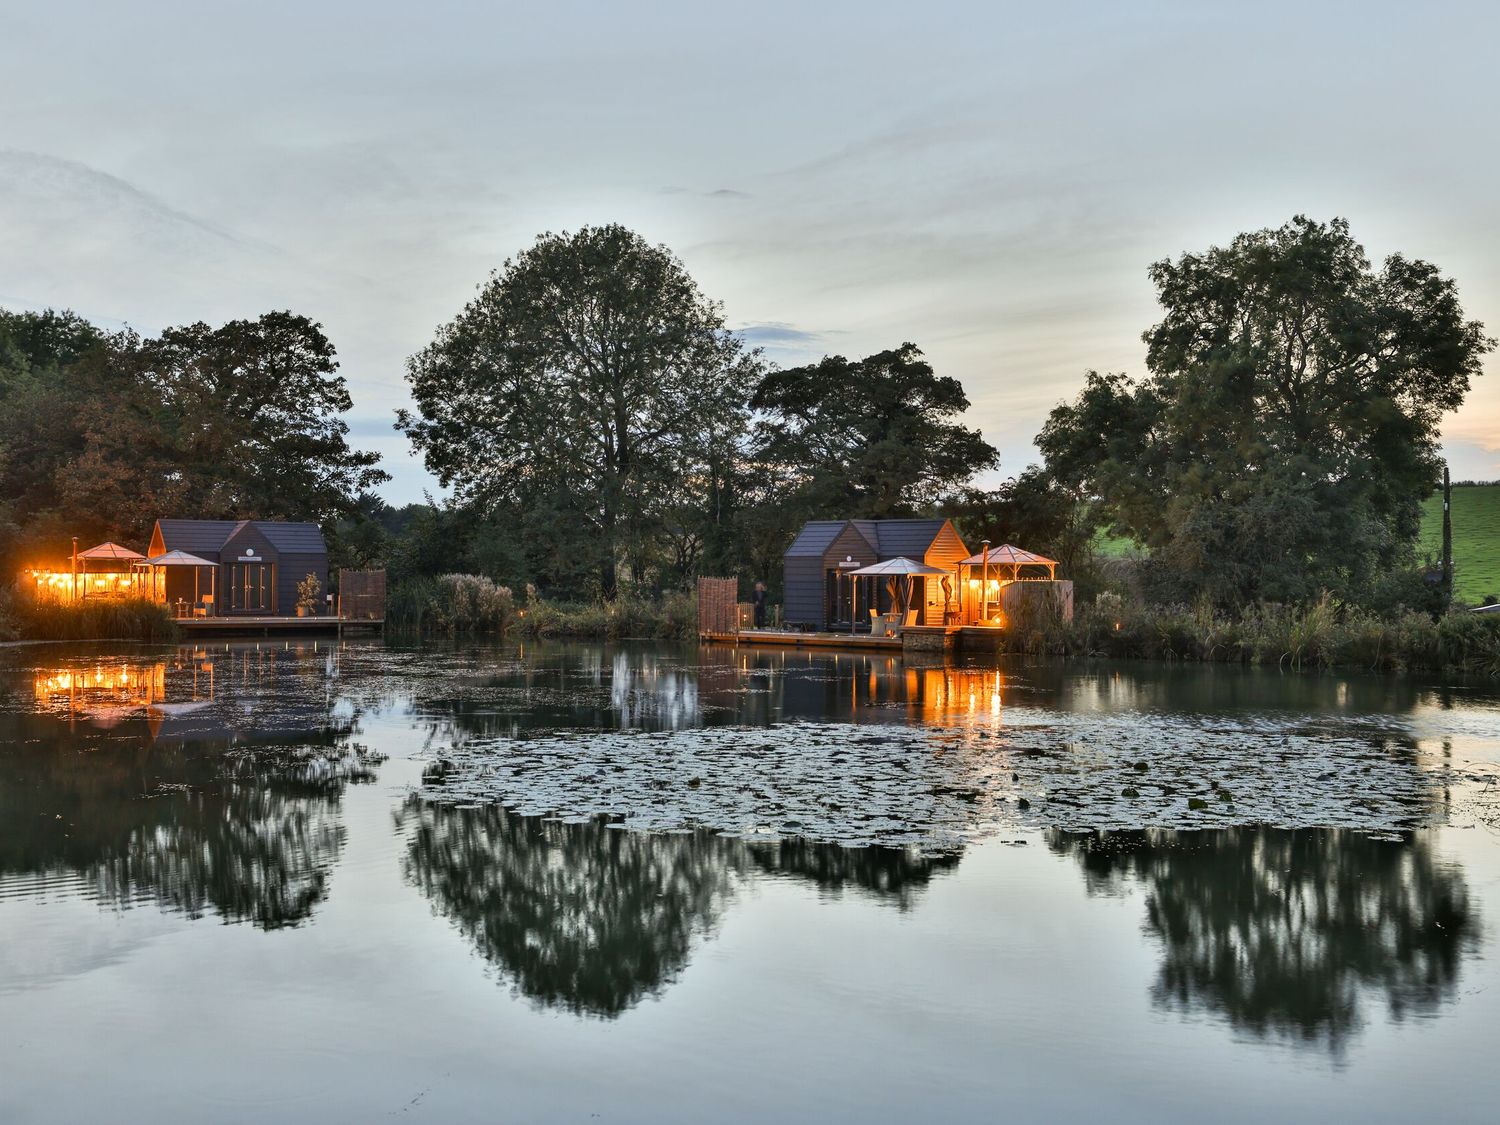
1323, 634
130, 619
472, 605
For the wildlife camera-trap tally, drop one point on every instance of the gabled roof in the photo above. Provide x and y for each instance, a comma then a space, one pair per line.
293, 538
815, 537
194, 536
912, 538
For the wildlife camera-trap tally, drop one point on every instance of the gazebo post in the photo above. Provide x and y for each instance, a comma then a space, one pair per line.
984, 582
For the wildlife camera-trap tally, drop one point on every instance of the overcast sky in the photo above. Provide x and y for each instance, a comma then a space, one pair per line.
987, 180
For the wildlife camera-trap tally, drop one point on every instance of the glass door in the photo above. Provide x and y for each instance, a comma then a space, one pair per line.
250, 586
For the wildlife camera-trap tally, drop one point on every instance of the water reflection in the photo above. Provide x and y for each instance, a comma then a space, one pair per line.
591, 919
655, 687
1291, 934
203, 780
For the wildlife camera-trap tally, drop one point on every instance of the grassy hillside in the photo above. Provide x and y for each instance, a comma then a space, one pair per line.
1476, 539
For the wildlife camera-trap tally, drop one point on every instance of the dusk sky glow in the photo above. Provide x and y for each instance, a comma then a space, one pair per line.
989, 181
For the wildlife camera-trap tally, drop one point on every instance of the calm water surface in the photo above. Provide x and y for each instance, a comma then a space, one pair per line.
254, 882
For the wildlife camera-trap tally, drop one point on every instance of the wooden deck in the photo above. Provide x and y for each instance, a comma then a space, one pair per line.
265, 626
789, 639
931, 638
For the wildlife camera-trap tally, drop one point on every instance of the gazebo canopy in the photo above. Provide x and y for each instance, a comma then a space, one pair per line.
177, 558
897, 568
1006, 555
111, 551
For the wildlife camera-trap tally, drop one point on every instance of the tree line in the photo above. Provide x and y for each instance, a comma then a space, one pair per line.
599, 428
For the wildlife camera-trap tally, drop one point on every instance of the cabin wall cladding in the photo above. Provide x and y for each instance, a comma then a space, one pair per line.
718, 605
362, 595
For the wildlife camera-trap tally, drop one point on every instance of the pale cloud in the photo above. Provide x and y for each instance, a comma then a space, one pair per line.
989, 181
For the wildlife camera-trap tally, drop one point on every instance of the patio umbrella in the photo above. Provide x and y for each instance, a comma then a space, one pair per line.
898, 568
182, 558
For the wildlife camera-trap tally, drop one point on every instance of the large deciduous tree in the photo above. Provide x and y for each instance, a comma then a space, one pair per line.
1288, 429
873, 438
243, 421
102, 433
588, 391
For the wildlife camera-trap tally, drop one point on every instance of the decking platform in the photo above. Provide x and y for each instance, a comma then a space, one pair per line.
788, 639
913, 638
265, 626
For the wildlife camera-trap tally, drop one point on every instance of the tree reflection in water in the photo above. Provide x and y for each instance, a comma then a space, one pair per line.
1290, 933
592, 919
207, 781
576, 916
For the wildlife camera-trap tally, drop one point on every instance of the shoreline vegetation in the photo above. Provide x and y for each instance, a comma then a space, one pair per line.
459, 605
129, 619
1270, 475
1325, 634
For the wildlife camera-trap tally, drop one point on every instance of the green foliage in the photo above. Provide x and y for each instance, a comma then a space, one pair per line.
101, 434
674, 616
133, 619
1288, 429
590, 395
875, 438
309, 590
453, 604
1038, 513
1322, 634
1476, 539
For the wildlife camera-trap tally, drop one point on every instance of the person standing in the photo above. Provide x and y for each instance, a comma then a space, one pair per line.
758, 600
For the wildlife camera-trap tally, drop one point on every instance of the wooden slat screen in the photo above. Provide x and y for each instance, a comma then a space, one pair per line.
718, 608
362, 595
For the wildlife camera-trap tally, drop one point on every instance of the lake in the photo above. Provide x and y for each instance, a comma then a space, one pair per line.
356, 881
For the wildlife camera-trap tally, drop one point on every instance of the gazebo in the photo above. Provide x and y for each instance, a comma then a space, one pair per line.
893, 571
112, 576
998, 567
157, 568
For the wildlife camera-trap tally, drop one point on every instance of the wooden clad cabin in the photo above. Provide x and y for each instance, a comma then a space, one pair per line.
259, 563
817, 594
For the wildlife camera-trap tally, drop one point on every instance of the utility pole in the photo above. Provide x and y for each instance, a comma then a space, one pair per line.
1447, 537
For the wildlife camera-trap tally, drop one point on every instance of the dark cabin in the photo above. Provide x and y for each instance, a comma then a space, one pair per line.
817, 598
260, 562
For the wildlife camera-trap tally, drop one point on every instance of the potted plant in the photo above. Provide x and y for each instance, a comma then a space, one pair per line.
307, 595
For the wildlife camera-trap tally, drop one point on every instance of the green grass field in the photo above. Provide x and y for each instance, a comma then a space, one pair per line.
1476, 539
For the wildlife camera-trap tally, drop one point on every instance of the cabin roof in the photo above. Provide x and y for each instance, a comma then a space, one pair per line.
815, 537
889, 538
911, 538
286, 536
194, 535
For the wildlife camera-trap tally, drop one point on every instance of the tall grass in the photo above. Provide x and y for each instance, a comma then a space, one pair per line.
672, 617
466, 604
1319, 635
130, 619
455, 604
